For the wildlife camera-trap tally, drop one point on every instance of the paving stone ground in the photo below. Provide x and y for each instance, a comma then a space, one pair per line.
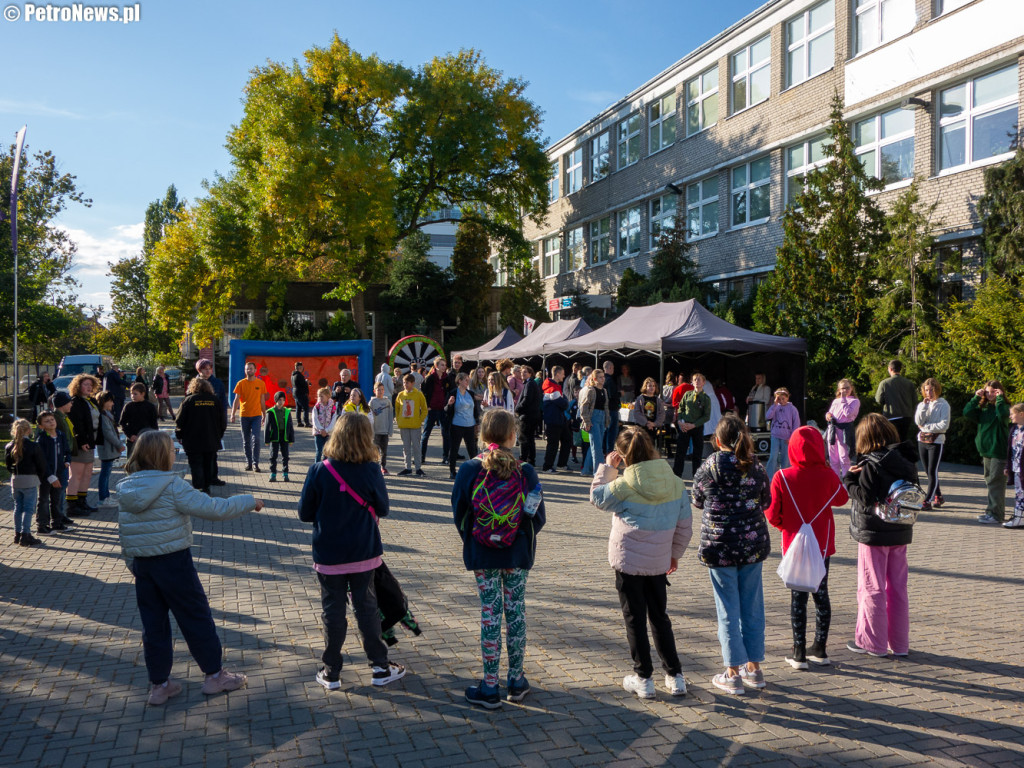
73, 685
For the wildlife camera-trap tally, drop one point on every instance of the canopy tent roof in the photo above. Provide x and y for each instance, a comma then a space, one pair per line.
506, 338
673, 327
543, 334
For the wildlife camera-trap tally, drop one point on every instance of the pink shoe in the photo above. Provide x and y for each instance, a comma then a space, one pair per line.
223, 681
384, 471
159, 694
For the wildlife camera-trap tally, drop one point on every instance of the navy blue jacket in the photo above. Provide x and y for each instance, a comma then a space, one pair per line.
56, 453
219, 391
478, 557
556, 409
344, 531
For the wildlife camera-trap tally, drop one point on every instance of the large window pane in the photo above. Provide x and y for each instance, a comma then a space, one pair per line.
996, 86
898, 160
760, 170
822, 53
993, 133
710, 218
897, 121
711, 110
822, 15
868, 161
953, 101
760, 202
760, 85
953, 141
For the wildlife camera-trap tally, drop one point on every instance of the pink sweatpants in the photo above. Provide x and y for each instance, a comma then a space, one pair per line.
883, 609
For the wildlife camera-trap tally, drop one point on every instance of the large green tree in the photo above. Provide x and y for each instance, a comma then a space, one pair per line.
48, 310
472, 276
419, 293
1002, 213
673, 274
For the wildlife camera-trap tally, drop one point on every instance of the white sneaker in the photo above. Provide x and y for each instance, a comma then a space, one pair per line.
383, 676
643, 688
986, 518
1014, 522
676, 684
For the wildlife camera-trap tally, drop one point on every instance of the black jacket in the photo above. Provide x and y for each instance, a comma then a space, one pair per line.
40, 391
530, 400
81, 422
33, 462
300, 386
200, 423
136, 417
879, 470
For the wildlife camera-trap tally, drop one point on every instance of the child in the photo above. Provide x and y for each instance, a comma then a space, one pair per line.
383, 422
27, 465
840, 417
806, 493
50, 513
1015, 465
694, 412
325, 414
732, 489
155, 498
500, 571
278, 433
138, 416
651, 527
109, 449
410, 412
356, 402
784, 418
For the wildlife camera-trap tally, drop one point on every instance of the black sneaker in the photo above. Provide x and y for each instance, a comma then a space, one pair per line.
816, 654
405, 472
329, 678
44, 529
28, 540
248, 467
17, 538
420, 473
484, 696
798, 658
852, 646
218, 481
256, 468
385, 675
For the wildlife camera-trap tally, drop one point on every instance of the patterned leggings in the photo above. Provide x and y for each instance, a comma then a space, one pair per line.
502, 591
822, 611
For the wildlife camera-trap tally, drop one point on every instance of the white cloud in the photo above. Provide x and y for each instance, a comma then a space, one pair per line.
96, 250
35, 109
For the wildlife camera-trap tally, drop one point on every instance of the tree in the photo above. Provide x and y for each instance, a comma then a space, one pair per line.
159, 215
472, 276
524, 294
419, 292
824, 270
1001, 208
673, 275
48, 310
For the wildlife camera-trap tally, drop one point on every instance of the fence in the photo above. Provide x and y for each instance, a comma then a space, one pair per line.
27, 373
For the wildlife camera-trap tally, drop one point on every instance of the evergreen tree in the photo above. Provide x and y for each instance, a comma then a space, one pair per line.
1002, 214
673, 276
524, 295
472, 276
419, 292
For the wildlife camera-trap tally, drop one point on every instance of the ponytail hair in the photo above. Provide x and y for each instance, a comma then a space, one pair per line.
20, 429
496, 428
635, 445
732, 434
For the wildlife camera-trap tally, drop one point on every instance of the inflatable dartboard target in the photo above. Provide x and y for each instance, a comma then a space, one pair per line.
414, 349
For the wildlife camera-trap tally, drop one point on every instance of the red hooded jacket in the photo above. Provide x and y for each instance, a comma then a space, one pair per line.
812, 482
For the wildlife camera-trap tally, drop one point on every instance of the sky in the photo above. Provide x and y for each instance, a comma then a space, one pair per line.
130, 108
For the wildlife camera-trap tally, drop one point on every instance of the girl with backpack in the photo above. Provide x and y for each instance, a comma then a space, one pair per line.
651, 527
805, 492
883, 608
491, 501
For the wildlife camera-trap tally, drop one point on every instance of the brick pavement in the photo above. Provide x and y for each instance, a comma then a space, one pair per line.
73, 685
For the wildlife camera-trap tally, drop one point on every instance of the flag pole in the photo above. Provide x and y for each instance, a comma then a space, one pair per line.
14, 247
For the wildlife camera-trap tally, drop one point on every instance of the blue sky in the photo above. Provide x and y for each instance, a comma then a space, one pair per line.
132, 108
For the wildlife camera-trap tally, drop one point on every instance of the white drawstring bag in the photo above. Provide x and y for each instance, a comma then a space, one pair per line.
803, 566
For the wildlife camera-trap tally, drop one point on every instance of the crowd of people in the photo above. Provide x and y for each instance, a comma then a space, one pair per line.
497, 500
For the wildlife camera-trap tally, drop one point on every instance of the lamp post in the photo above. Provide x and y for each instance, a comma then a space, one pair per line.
14, 247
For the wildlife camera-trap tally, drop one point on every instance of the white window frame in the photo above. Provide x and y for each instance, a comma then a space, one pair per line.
600, 156
883, 26
575, 255
628, 230
881, 142
750, 68
551, 264
600, 240
238, 318
553, 181
663, 212
627, 137
300, 316
700, 99
573, 163
805, 167
970, 113
661, 123
702, 201
792, 46
746, 189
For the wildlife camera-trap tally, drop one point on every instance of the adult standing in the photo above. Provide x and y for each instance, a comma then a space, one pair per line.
199, 426
204, 368
990, 411
85, 421
140, 378
898, 397
387, 380
41, 390
300, 394
611, 388
115, 384
250, 398
478, 383
840, 436
463, 411
760, 392
932, 419
435, 391
162, 390
694, 412
515, 382
341, 390
498, 394
528, 411
555, 410
594, 415
627, 385
572, 384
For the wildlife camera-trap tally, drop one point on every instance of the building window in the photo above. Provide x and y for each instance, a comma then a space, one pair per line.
298, 318
662, 123
810, 43
885, 145
949, 262
500, 277
574, 250
629, 232
629, 141
978, 119
573, 170
800, 159
879, 21
553, 183
751, 192
702, 208
600, 157
600, 240
702, 101
552, 256
663, 216
945, 6
751, 74
239, 318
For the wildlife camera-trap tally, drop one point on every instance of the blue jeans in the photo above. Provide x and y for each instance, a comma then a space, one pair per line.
106, 467
596, 455
612, 431
251, 428
779, 456
25, 500
739, 600
319, 441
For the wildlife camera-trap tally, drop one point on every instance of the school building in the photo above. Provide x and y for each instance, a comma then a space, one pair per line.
723, 138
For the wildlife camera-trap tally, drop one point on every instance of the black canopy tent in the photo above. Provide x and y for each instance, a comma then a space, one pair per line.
506, 338
533, 344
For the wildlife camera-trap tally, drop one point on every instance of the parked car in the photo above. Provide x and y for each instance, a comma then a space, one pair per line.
72, 365
174, 377
63, 382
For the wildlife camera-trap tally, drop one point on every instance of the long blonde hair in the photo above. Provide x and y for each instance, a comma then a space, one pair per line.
351, 440
502, 384
20, 429
153, 450
497, 427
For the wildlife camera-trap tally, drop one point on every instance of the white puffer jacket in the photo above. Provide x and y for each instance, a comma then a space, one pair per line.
155, 512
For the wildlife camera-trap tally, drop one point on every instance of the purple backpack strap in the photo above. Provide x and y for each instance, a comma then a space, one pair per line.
346, 488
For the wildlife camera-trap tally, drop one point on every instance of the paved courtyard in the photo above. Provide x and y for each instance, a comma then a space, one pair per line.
73, 686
